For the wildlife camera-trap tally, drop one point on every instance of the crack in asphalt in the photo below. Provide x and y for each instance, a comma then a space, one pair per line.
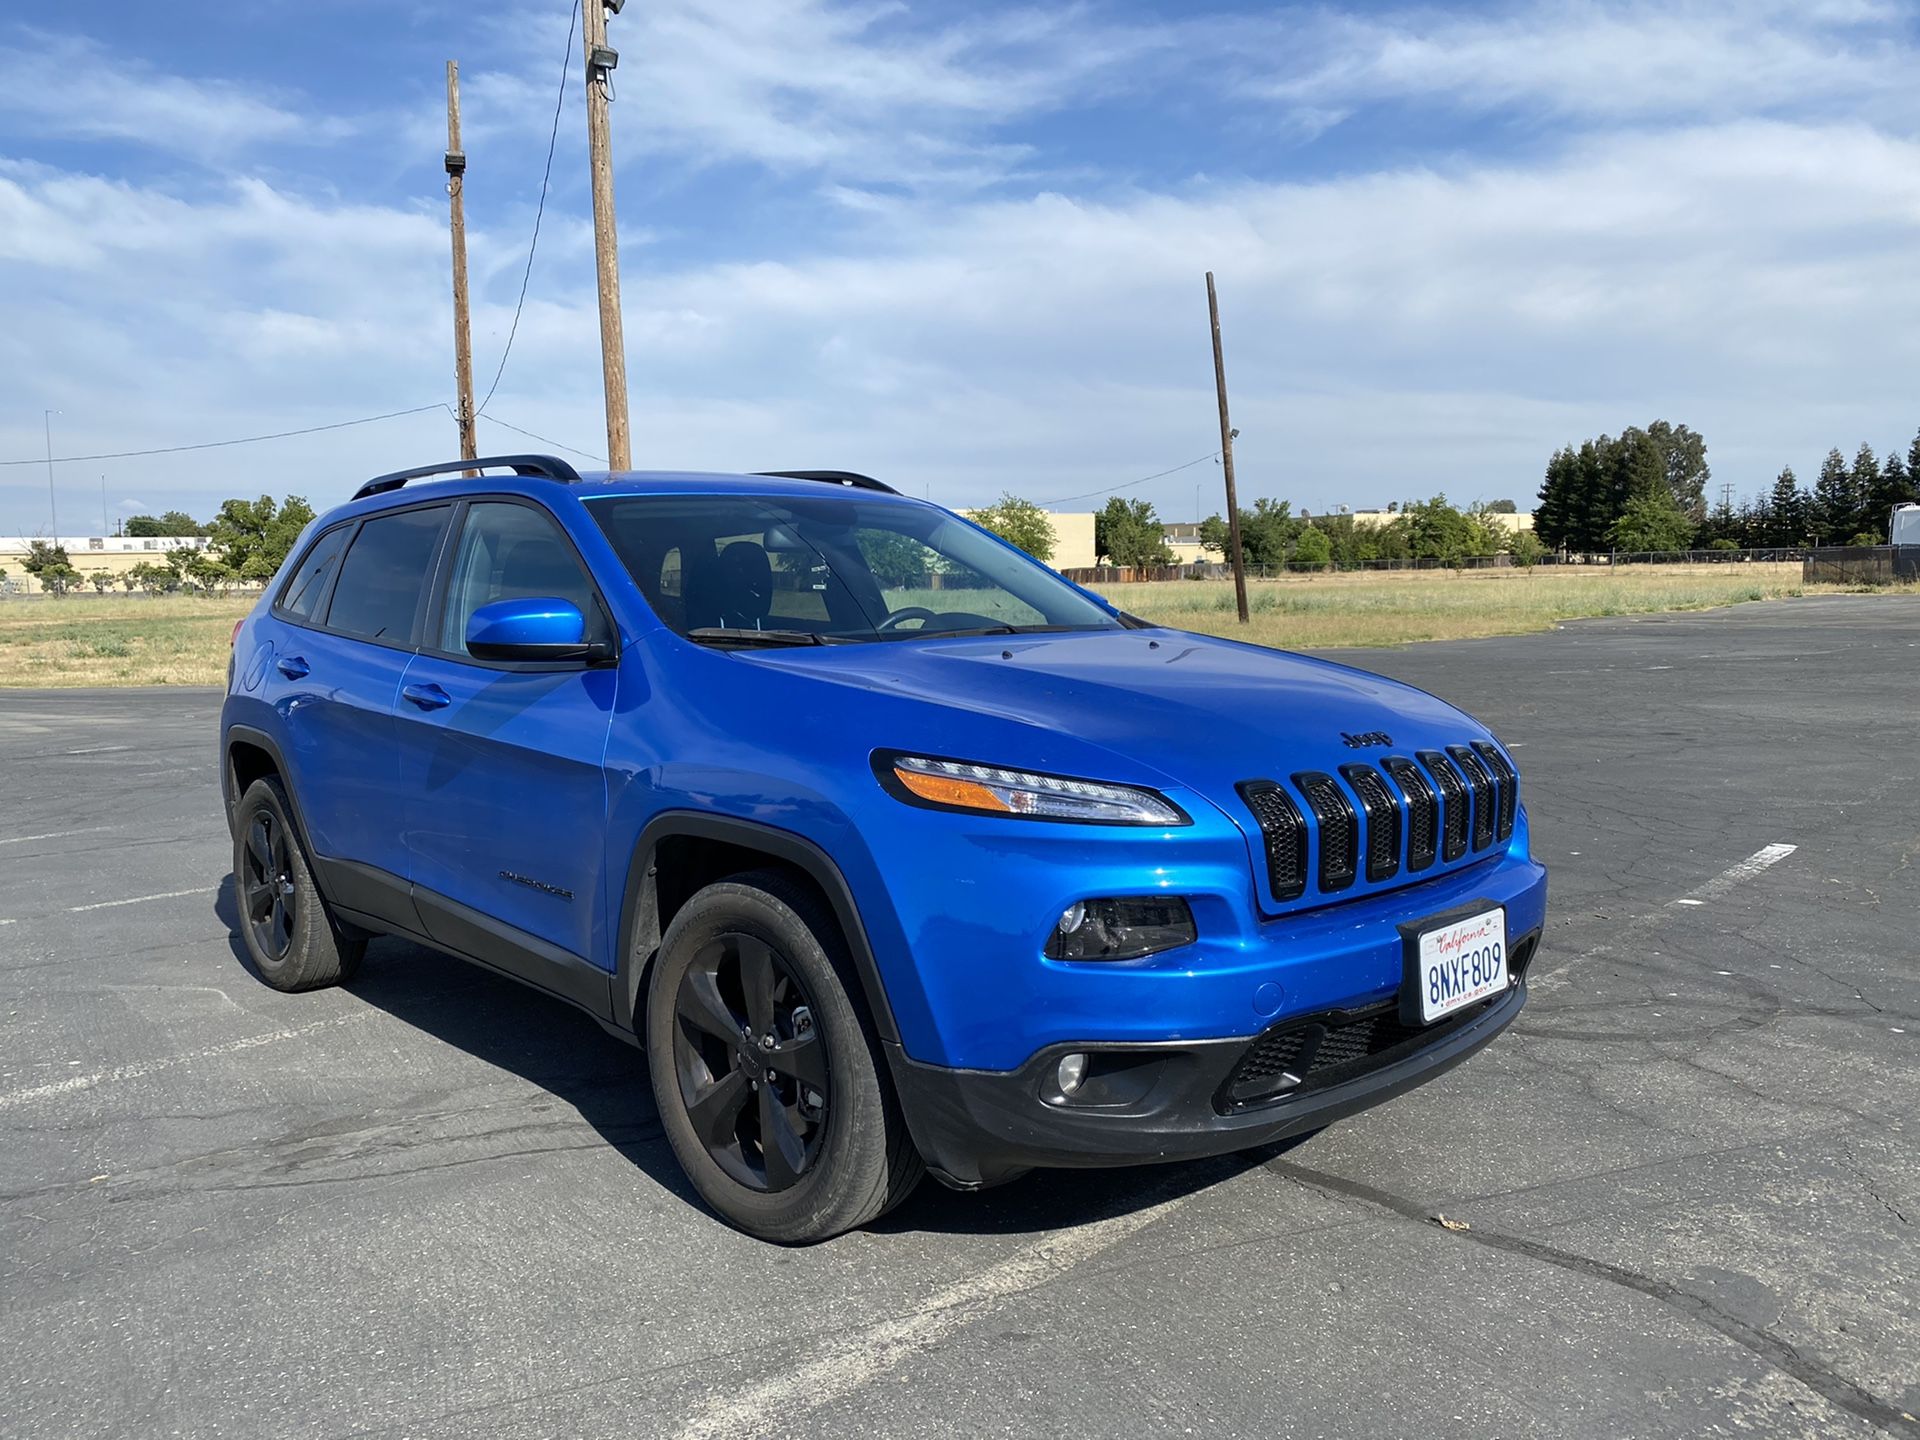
1781, 1354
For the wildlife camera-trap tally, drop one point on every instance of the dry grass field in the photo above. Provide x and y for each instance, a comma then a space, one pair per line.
117, 640
182, 640
1307, 612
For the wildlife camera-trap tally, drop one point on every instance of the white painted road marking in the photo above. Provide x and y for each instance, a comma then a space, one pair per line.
1745, 870
168, 1062
86, 830
1755, 864
854, 1360
140, 899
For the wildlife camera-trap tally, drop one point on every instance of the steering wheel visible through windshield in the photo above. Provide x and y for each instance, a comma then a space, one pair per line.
830, 569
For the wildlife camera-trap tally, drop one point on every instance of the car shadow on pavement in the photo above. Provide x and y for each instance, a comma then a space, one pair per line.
551, 1044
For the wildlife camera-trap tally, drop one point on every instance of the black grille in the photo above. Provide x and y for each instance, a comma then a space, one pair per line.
1299, 1056
1483, 793
1440, 807
1383, 820
1339, 828
1453, 792
1285, 833
1509, 779
1423, 810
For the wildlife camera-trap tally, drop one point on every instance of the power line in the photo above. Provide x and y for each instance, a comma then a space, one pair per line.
1157, 475
526, 275
547, 440
239, 440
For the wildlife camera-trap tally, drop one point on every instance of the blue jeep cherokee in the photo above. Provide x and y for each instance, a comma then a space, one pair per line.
894, 850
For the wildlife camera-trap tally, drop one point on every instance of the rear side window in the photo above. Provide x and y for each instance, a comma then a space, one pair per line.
384, 575
301, 593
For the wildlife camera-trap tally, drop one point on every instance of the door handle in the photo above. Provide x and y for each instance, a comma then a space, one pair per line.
427, 697
293, 667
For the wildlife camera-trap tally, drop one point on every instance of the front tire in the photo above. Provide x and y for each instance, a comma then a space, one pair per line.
291, 936
770, 1083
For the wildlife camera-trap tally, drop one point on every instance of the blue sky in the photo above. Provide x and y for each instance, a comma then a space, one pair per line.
962, 246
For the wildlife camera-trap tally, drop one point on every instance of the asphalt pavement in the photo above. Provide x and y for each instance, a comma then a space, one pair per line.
1681, 1195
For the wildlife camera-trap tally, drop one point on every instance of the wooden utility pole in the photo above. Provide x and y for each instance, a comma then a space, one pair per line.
462, 331
601, 58
1227, 433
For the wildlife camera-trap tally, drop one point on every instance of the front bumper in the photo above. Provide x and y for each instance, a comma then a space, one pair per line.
1161, 1101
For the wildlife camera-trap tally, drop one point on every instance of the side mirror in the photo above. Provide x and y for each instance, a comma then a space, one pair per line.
536, 628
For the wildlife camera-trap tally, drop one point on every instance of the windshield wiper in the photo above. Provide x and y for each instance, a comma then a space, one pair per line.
726, 635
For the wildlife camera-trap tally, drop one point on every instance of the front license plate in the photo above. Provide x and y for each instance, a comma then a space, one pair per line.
1456, 964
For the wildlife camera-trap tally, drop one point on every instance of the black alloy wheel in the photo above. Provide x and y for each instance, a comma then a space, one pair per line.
266, 885
751, 1063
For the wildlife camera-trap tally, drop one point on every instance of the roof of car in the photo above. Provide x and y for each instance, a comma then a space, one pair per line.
388, 492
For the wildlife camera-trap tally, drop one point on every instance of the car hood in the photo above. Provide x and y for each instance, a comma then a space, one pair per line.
1201, 712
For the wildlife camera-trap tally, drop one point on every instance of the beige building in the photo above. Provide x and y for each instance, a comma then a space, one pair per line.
91, 555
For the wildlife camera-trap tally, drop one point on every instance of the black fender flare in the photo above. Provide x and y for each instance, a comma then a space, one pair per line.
640, 928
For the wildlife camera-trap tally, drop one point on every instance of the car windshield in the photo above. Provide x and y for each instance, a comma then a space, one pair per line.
757, 569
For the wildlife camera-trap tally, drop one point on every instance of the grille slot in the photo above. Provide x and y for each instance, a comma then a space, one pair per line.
1285, 833
1453, 792
1338, 826
1509, 779
1483, 793
1423, 810
1383, 820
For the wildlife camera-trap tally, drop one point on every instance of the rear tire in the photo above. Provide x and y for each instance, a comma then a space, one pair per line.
290, 934
771, 1085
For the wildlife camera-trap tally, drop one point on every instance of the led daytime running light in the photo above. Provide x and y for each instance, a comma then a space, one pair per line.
959, 785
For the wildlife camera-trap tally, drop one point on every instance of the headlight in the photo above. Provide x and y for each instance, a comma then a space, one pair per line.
957, 785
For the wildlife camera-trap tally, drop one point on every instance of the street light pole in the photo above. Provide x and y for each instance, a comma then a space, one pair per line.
53, 503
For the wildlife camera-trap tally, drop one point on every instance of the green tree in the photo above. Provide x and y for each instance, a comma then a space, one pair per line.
152, 578
174, 522
1485, 535
1437, 531
48, 563
1127, 532
101, 580
1652, 521
1552, 516
1788, 511
1892, 486
1835, 508
1525, 547
1502, 507
1018, 522
252, 537
1312, 548
1683, 459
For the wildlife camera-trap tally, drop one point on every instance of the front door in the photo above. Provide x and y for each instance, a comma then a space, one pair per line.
501, 763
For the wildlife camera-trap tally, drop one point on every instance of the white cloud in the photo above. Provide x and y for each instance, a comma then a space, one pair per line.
67, 87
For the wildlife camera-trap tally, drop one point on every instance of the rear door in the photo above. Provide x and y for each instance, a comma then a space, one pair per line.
502, 762
335, 675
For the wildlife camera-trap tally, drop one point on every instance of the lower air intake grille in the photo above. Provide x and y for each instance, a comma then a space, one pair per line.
1285, 834
1338, 826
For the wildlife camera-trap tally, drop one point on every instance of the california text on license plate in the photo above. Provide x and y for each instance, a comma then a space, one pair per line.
1459, 964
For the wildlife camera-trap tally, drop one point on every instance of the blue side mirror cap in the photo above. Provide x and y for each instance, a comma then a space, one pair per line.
537, 628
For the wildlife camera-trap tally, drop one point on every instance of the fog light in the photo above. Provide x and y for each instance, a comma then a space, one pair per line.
1072, 1070
1121, 929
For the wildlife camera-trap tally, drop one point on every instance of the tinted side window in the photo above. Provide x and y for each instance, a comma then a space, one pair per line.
384, 574
512, 552
309, 582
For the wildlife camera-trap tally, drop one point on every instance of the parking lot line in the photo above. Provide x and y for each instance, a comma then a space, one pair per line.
167, 1062
58, 835
858, 1358
140, 899
1733, 875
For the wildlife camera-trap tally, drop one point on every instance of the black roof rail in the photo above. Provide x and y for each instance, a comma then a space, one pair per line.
832, 477
545, 466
